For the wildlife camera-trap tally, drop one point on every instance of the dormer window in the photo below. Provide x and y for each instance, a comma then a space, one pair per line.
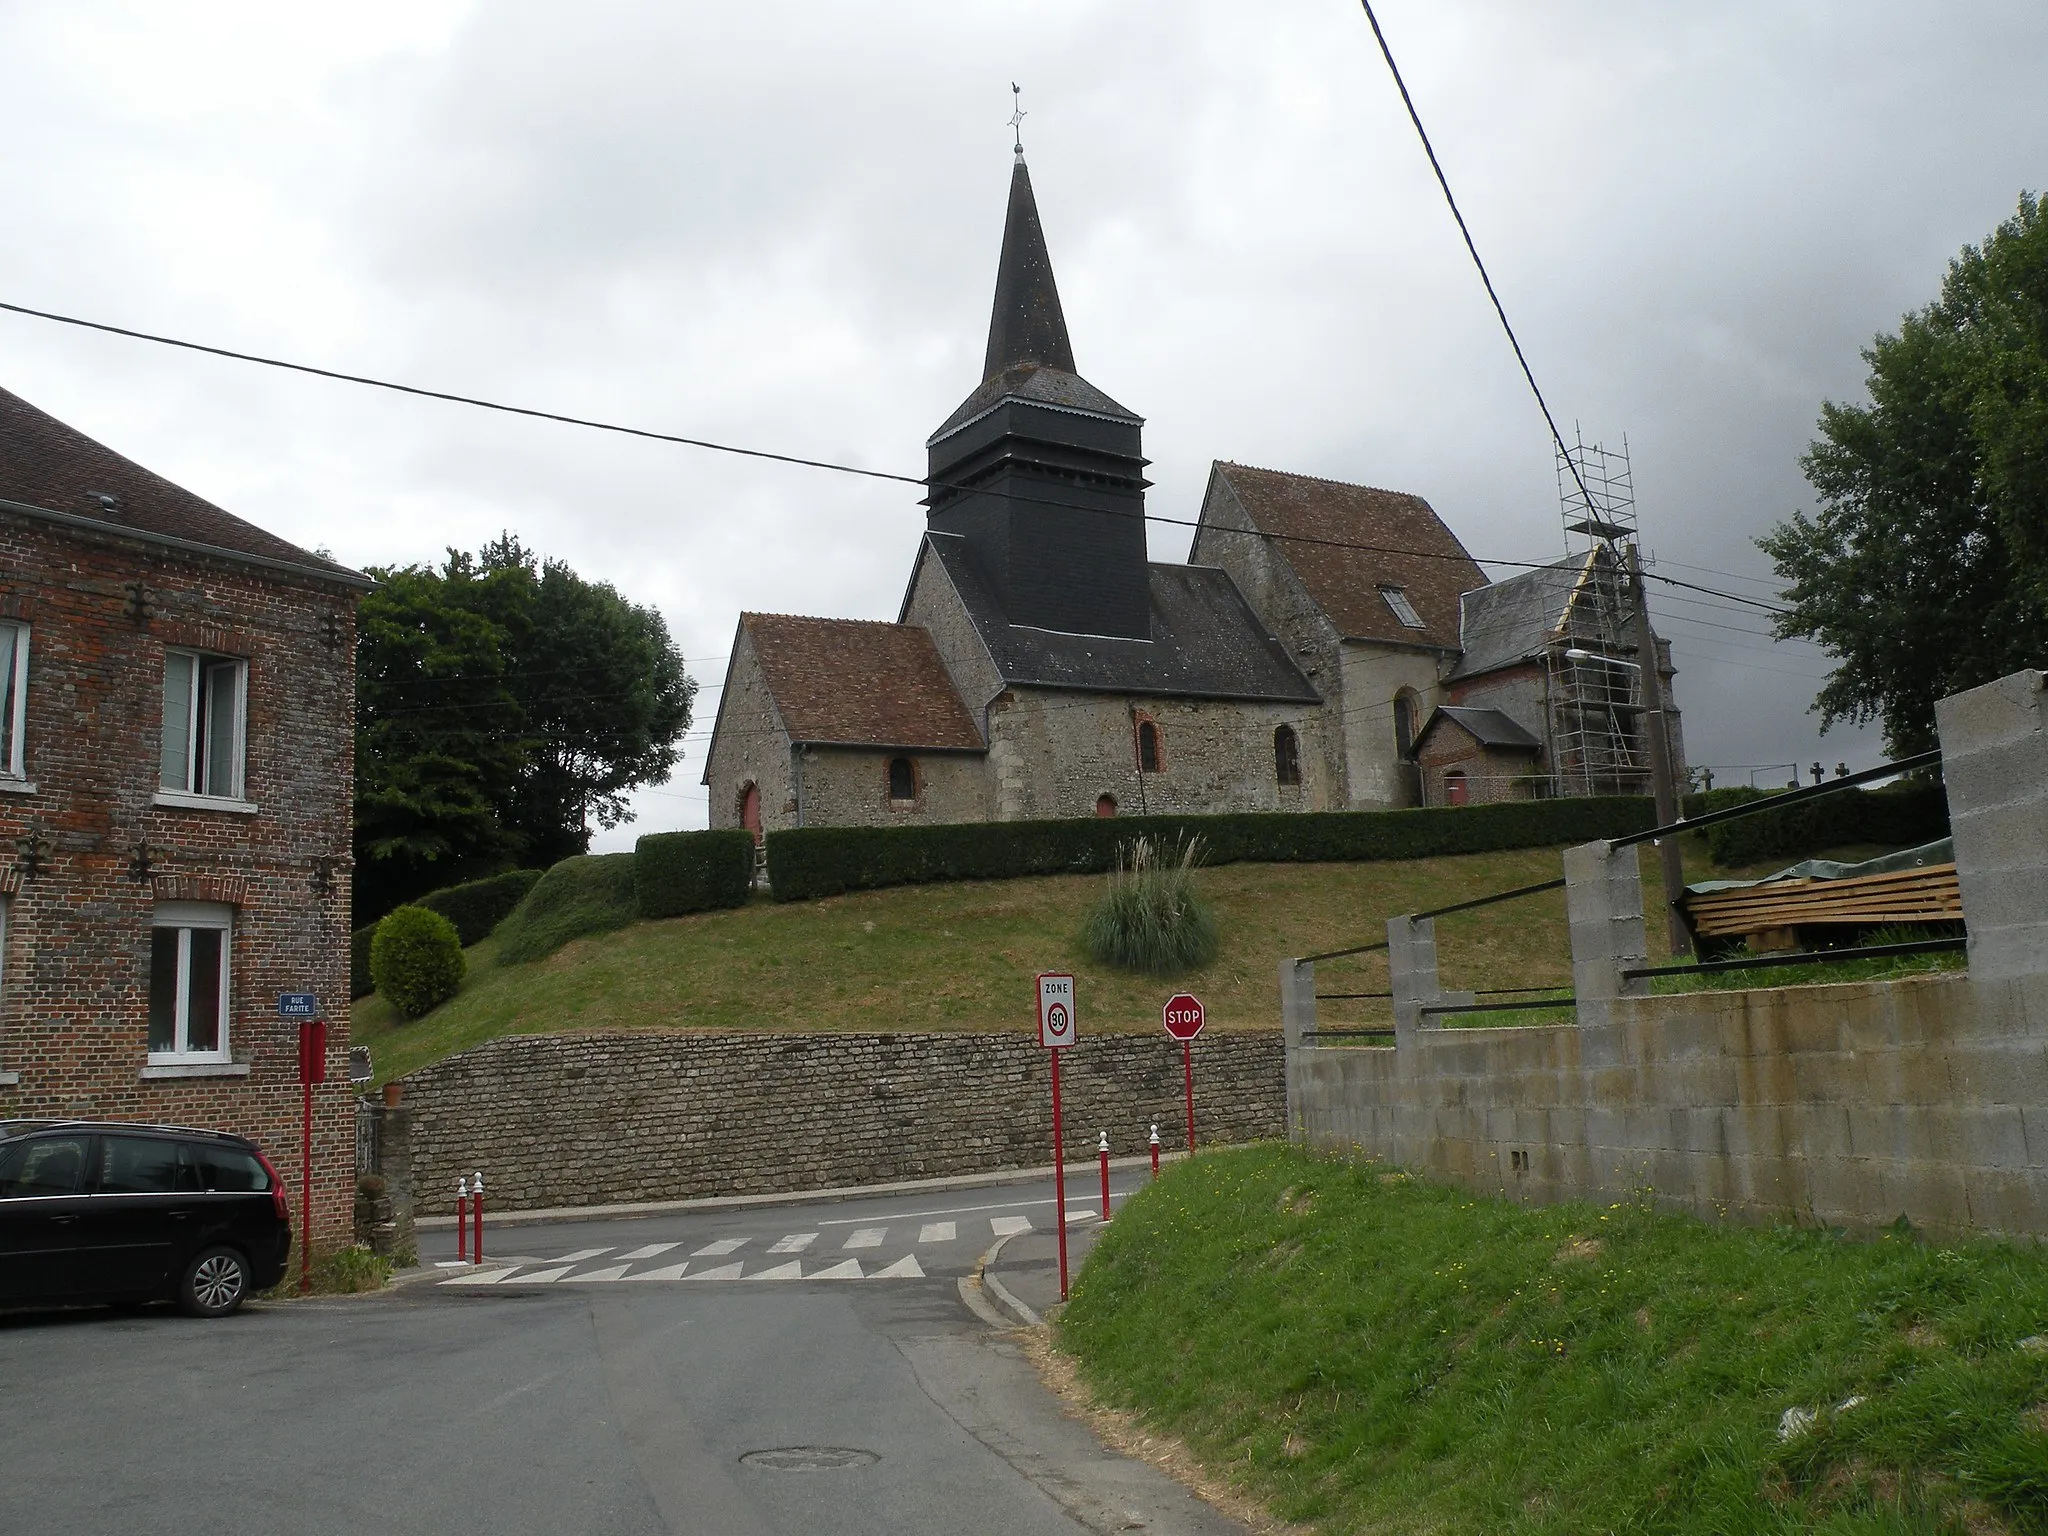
1397, 599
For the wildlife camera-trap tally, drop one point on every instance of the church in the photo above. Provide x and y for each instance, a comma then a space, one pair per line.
1312, 653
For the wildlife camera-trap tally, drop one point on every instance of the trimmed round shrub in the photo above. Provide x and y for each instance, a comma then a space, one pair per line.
416, 960
589, 893
1150, 918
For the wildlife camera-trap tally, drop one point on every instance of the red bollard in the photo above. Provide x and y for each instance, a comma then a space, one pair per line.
1155, 1149
477, 1205
462, 1218
1103, 1153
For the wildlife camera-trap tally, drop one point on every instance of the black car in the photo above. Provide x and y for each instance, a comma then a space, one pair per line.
104, 1212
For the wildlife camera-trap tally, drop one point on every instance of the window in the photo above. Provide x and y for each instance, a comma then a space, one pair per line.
13, 699
47, 1165
1105, 806
203, 709
1148, 747
140, 1165
1286, 755
188, 982
1397, 599
1405, 704
902, 780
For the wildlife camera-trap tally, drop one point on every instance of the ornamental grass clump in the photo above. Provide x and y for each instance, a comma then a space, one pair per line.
1150, 919
416, 960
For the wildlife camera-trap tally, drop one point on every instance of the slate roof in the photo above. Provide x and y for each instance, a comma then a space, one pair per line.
48, 465
855, 682
1506, 622
1206, 640
1410, 548
1488, 727
1026, 324
1042, 386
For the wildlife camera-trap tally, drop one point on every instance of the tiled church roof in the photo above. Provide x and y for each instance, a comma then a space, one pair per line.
1410, 549
855, 682
47, 465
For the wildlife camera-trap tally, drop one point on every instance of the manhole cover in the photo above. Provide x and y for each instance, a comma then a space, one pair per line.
811, 1458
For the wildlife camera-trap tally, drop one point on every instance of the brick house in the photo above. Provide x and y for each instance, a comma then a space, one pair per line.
177, 699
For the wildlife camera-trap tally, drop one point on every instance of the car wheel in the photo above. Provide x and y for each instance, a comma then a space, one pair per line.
215, 1283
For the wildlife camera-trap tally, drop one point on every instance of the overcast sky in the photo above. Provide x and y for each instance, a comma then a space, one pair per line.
777, 224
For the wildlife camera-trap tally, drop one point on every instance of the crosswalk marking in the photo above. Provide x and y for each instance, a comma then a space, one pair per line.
651, 1251
1009, 1226
720, 1249
482, 1277
790, 1271
867, 1237
581, 1254
796, 1242
547, 1276
673, 1272
614, 1272
936, 1232
905, 1268
723, 1272
845, 1269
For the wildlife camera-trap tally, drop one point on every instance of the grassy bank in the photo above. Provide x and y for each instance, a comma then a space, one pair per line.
1362, 1351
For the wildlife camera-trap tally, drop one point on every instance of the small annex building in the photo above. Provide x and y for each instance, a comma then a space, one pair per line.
1325, 646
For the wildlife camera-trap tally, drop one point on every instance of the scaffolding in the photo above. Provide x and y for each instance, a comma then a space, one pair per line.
1593, 685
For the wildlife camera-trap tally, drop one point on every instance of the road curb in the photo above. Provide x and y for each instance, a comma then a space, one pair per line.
986, 1281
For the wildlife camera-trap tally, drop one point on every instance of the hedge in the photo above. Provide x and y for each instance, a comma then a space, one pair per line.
477, 906
810, 862
678, 872
1897, 816
416, 960
591, 893
359, 982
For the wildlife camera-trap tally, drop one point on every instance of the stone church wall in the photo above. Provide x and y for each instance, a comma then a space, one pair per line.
934, 603
1373, 675
843, 787
749, 747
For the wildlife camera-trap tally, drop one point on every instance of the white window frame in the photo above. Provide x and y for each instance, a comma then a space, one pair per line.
1404, 610
184, 917
230, 795
14, 765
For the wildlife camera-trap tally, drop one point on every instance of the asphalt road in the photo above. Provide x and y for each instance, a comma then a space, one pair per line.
736, 1392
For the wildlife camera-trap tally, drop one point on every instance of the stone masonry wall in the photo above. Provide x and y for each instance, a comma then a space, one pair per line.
74, 978
1851, 1104
592, 1119
845, 787
750, 746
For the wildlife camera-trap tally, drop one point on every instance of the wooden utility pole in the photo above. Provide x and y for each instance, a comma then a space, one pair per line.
1656, 727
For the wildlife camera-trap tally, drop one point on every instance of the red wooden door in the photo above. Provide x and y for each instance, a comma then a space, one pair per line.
750, 810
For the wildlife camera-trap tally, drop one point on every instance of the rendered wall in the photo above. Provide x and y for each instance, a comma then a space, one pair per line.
593, 1119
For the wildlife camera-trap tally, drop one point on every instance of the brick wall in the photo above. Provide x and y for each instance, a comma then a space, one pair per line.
1851, 1104
74, 976
591, 1119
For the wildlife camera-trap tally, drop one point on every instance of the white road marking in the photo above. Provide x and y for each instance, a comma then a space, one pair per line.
1074, 1179
481, 1277
651, 1251
937, 1232
1075, 1218
720, 1249
867, 1237
547, 1276
1009, 1226
615, 1272
796, 1242
845, 1269
581, 1254
905, 1268
790, 1271
723, 1272
673, 1272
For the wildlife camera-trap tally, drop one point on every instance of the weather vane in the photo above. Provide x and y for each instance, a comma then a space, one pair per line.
1017, 117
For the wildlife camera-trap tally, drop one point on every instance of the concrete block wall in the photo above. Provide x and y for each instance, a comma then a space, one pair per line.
1994, 758
600, 1118
1851, 1104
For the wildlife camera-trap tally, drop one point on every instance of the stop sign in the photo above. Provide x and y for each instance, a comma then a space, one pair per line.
1183, 1016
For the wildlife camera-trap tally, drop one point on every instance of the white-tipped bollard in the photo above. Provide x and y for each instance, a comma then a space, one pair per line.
476, 1249
1155, 1149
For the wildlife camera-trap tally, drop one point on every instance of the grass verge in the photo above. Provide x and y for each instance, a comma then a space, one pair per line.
1364, 1351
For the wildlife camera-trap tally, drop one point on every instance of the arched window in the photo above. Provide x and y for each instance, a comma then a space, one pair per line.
1105, 806
1286, 755
902, 781
1406, 706
1148, 747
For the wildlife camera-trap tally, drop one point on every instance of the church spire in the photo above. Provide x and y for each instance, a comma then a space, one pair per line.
1027, 325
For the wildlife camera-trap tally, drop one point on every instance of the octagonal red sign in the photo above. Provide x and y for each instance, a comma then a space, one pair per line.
1183, 1015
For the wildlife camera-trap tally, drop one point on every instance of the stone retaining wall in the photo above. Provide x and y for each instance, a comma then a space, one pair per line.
596, 1118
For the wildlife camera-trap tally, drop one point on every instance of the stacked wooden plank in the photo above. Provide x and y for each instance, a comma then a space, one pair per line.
1926, 895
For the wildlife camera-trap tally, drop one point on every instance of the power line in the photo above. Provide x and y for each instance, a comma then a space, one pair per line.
708, 444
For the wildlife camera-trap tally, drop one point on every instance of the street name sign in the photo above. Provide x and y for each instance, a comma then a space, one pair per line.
298, 1005
1056, 1018
1183, 1014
